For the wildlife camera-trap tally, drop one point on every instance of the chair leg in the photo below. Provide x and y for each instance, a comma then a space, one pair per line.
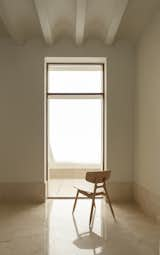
91, 213
75, 202
109, 201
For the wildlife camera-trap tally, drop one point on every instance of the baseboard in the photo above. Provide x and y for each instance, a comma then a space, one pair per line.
120, 191
148, 201
36, 192
22, 192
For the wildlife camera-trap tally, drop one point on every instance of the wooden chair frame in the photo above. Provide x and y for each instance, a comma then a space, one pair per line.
99, 179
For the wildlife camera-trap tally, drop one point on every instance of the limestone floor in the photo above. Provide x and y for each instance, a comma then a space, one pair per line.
50, 229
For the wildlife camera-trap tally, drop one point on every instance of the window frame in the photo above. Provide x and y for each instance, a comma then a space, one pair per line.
103, 95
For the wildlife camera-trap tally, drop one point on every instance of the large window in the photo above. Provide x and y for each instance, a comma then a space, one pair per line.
75, 116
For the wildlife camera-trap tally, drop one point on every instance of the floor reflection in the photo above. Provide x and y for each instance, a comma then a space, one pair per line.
50, 229
88, 240
133, 233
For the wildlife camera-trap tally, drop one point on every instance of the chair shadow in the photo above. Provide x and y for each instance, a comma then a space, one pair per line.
89, 240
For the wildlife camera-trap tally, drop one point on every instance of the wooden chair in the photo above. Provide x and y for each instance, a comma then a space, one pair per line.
99, 180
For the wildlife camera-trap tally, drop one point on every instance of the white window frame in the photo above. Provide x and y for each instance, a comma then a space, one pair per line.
73, 60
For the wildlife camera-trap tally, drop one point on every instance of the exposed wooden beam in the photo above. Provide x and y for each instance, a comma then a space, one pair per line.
11, 21
120, 8
44, 20
81, 6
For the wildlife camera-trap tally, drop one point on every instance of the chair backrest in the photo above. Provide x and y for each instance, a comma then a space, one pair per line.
98, 176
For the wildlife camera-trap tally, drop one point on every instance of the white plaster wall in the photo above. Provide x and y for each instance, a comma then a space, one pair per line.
147, 109
22, 114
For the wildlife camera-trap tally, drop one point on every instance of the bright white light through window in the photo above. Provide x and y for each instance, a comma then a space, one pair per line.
75, 131
75, 122
76, 79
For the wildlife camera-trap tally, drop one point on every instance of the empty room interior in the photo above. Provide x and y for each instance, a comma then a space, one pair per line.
80, 127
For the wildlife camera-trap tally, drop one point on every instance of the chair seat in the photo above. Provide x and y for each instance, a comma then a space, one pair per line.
87, 187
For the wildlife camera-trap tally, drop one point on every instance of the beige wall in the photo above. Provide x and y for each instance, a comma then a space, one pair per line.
147, 110
21, 106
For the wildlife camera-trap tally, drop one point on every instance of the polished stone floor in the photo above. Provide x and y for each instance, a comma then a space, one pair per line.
50, 229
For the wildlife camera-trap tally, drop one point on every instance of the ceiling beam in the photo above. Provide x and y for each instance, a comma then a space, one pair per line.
120, 8
41, 9
12, 24
81, 7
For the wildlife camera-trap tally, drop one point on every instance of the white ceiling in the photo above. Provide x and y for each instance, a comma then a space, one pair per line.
106, 20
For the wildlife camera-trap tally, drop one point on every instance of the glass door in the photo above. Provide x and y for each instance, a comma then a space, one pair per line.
75, 125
